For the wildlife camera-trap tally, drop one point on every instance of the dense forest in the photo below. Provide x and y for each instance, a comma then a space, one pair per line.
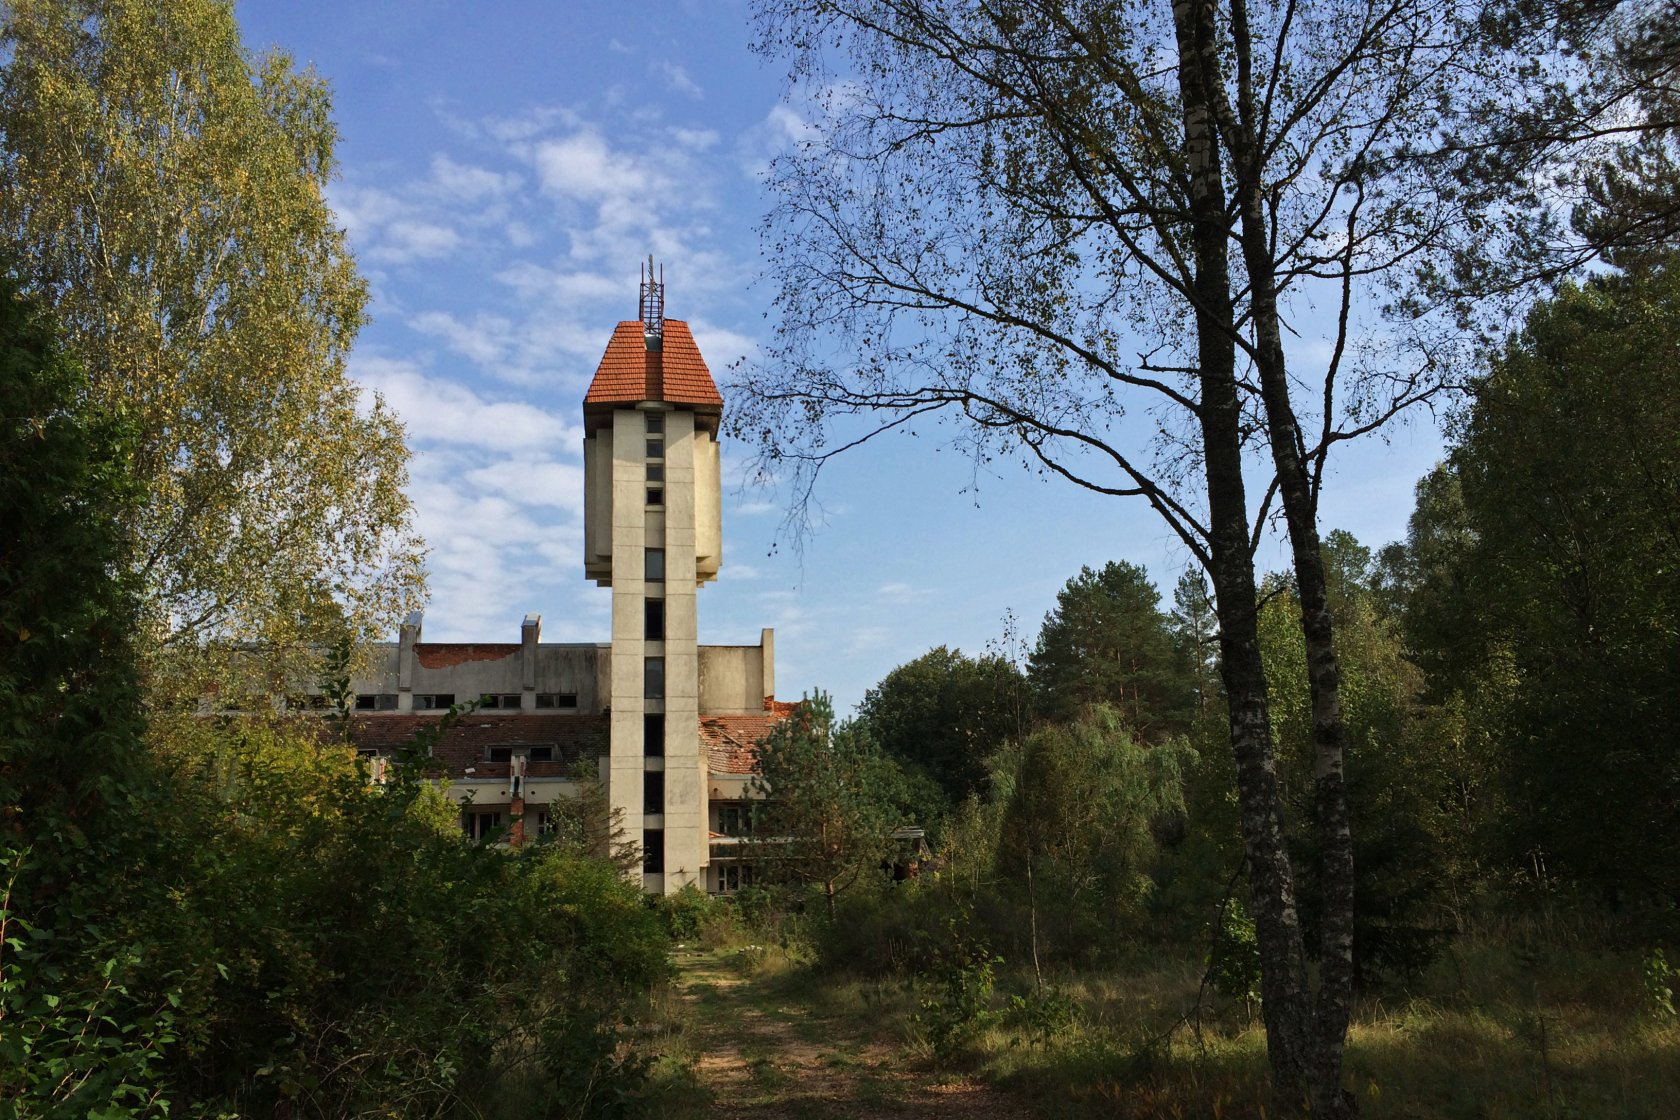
1398, 803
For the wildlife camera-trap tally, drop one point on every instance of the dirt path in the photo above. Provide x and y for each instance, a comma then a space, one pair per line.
766, 1056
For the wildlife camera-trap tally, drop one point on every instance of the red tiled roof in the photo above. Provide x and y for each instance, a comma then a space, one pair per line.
443, 655
732, 741
624, 375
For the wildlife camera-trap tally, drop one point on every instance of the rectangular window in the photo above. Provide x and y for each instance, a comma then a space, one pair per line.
735, 820
653, 851
501, 702
654, 565
557, 700
656, 496
653, 628
653, 735
653, 678
653, 791
376, 702
656, 472
732, 877
424, 702
655, 422
541, 752
480, 824
656, 449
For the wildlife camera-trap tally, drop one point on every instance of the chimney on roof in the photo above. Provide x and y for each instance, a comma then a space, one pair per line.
653, 330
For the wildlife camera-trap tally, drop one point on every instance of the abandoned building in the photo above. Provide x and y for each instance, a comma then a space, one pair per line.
669, 724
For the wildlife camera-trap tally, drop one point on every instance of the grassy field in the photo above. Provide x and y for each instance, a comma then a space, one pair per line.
1488, 1033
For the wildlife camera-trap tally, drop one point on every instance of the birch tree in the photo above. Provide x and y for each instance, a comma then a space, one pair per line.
161, 191
1083, 230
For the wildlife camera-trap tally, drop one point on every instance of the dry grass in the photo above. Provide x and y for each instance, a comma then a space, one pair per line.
1489, 1033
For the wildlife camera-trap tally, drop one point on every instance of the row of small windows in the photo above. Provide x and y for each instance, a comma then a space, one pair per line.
656, 451
437, 701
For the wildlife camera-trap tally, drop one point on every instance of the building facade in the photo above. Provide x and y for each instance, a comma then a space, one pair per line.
667, 723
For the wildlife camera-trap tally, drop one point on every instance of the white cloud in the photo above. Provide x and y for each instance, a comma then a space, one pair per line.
438, 410
677, 78
484, 340
407, 240
459, 182
583, 166
696, 139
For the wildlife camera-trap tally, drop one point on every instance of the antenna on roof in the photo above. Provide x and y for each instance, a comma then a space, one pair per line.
653, 306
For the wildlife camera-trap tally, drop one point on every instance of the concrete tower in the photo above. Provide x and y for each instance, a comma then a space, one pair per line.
653, 533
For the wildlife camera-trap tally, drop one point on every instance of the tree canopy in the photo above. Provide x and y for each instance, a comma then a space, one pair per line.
1107, 642
161, 192
944, 713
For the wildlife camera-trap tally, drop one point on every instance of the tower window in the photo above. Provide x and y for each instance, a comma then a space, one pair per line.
656, 449
656, 472
655, 422
653, 851
654, 565
653, 735
653, 678
654, 628
653, 791
656, 496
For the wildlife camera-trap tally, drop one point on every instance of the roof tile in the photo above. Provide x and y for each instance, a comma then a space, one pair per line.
623, 376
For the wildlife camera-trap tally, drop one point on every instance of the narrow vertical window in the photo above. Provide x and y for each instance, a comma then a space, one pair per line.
653, 851
653, 628
653, 735
655, 422
653, 678
653, 791
654, 566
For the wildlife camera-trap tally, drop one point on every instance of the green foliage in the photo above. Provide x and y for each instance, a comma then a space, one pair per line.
1107, 642
944, 713
833, 801
1081, 828
1660, 978
1403, 775
1234, 962
162, 191
1542, 591
964, 975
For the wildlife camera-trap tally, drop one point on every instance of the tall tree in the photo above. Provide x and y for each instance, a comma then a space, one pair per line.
161, 190
944, 713
1547, 590
1106, 642
1051, 218
830, 803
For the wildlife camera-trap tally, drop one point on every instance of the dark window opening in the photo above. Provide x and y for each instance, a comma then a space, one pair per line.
377, 702
425, 702
656, 472
479, 824
653, 791
539, 753
556, 699
653, 735
654, 565
735, 820
656, 449
503, 701
655, 422
654, 612
653, 678
732, 877
656, 496
653, 851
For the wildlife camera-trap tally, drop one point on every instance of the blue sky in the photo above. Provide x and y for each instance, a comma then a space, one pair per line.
504, 169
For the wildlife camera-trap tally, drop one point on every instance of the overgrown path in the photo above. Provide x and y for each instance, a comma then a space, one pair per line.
765, 1050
